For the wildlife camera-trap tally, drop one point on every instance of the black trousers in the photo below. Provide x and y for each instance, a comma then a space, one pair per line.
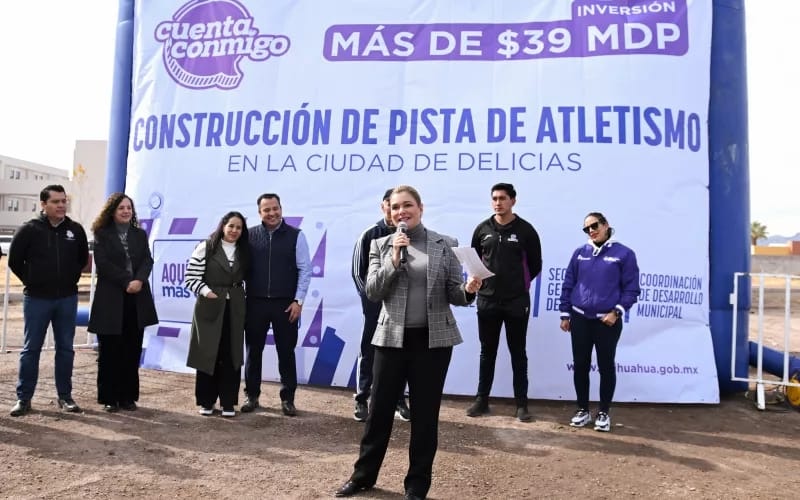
590, 333
425, 370
118, 359
261, 315
366, 355
492, 315
224, 382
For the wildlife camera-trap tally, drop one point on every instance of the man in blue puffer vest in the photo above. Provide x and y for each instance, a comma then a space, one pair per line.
280, 274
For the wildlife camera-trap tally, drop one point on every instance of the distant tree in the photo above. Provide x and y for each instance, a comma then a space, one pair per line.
758, 231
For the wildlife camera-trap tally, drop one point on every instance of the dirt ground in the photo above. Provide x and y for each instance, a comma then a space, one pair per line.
166, 450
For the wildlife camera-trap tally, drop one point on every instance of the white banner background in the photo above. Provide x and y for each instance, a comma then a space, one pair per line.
654, 195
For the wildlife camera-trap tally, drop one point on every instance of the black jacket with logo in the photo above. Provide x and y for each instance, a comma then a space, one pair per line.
48, 260
513, 252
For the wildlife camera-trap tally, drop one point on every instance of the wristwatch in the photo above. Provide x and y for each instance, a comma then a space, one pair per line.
299, 302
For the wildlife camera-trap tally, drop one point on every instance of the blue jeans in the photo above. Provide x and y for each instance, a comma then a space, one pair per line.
39, 313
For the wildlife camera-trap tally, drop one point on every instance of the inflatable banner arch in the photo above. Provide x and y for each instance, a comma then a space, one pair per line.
636, 108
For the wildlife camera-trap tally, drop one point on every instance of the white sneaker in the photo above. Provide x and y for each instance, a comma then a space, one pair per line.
205, 411
602, 422
581, 418
228, 412
402, 411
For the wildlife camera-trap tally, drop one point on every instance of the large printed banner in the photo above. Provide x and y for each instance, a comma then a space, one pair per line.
583, 105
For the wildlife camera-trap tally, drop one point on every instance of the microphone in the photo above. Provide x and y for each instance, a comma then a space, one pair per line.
403, 228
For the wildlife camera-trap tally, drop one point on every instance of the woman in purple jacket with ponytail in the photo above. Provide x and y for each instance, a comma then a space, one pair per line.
601, 283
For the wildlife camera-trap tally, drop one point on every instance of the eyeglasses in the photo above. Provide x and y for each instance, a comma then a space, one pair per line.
591, 227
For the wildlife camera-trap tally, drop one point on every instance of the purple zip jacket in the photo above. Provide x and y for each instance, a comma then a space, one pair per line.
599, 280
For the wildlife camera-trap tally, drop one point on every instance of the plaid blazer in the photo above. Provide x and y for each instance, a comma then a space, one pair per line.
389, 285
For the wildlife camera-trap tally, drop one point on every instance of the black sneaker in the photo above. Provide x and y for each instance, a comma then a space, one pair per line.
478, 408
402, 411
128, 406
523, 415
288, 409
21, 408
361, 412
249, 405
69, 404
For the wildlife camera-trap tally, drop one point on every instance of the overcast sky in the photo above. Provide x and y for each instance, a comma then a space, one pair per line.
56, 59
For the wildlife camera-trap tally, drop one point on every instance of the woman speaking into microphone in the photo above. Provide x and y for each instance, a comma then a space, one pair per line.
416, 275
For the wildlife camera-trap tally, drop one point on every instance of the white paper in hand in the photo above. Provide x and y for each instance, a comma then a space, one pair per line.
471, 261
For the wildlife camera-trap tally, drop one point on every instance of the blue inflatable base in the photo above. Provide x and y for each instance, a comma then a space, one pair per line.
82, 319
772, 361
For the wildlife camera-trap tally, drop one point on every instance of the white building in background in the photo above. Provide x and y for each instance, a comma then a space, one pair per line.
21, 182
88, 188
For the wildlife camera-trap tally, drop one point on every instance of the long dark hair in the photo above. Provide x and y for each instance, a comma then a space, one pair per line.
106, 216
242, 244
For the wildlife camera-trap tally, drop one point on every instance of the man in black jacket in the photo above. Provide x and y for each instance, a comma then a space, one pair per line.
371, 312
509, 246
47, 254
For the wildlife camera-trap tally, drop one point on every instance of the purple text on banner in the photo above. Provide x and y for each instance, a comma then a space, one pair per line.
598, 28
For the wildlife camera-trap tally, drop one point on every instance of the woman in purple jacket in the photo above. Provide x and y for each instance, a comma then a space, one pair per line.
601, 283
